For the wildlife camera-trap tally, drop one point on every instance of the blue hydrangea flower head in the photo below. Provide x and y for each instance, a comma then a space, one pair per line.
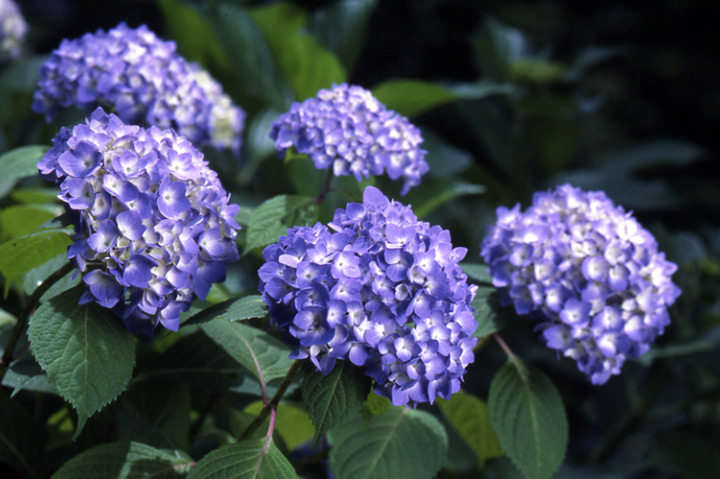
12, 30
347, 129
589, 271
154, 225
380, 289
144, 81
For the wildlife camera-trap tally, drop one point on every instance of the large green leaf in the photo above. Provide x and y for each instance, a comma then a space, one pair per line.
528, 415
20, 255
21, 162
471, 418
491, 316
20, 445
334, 398
273, 218
244, 460
402, 443
292, 423
265, 356
248, 307
413, 97
123, 460
156, 413
84, 350
306, 64
19, 220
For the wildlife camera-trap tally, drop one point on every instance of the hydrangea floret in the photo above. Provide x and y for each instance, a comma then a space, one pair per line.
144, 81
589, 271
154, 227
12, 30
347, 129
379, 288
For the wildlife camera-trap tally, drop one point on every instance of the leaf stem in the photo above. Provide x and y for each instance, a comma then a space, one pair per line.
24, 316
272, 404
508, 351
326, 187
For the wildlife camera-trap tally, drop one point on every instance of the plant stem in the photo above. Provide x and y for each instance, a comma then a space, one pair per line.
270, 405
508, 351
326, 187
24, 316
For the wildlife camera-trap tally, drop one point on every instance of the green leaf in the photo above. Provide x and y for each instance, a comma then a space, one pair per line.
85, 351
19, 444
292, 423
332, 399
248, 307
20, 255
471, 418
244, 460
306, 65
122, 460
477, 272
436, 192
156, 413
341, 27
26, 374
528, 415
21, 162
273, 218
265, 356
413, 97
490, 315
402, 444
20, 220
22, 74
248, 50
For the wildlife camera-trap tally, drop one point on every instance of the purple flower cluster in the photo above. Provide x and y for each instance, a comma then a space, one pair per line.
144, 81
347, 129
154, 227
12, 30
590, 272
381, 289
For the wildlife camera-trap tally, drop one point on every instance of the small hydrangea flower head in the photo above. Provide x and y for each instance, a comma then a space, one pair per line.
154, 226
144, 81
347, 129
12, 30
380, 289
589, 271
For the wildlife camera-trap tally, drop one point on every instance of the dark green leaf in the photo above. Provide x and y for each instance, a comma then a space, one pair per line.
26, 374
248, 307
471, 418
402, 444
22, 74
490, 315
273, 218
444, 159
19, 444
291, 423
334, 398
528, 415
21, 162
20, 255
244, 460
436, 192
306, 65
265, 356
122, 460
85, 351
477, 272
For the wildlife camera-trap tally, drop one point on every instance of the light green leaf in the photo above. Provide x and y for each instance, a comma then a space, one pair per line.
273, 218
265, 356
19, 220
20, 445
402, 444
84, 350
292, 423
248, 307
20, 255
528, 415
413, 97
471, 418
122, 460
477, 272
306, 65
332, 399
21, 162
244, 460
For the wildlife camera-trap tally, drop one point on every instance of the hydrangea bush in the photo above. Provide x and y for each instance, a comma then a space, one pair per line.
154, 225
381, 289
142, 79
153, 327
347, 129
588, 271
